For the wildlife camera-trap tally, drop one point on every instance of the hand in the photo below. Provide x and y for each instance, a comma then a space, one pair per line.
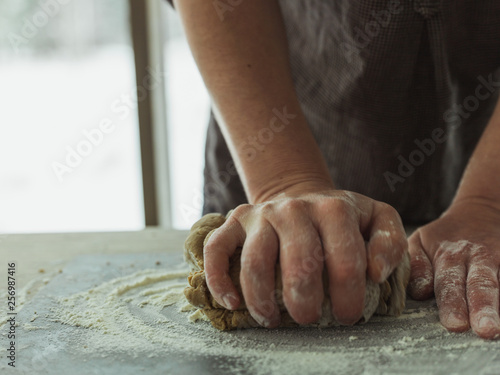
305, 232
457, 257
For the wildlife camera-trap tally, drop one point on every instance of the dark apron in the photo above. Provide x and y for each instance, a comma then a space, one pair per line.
396, 93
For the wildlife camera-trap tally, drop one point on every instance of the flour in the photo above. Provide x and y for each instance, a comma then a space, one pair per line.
146, 314
382, 233
31, 327
24, 294
459, 247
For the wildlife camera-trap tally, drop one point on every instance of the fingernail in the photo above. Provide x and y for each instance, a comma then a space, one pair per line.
230, 301
383, 266
263, 321
487, 322
454, 320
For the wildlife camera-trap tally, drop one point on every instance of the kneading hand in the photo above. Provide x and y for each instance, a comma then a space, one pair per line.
305, 232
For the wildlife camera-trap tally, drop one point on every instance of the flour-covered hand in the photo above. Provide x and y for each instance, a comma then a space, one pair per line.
305, 232
457, 257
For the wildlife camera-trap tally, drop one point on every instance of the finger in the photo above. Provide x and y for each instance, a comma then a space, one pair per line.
482, 298
216, 253
301, 272
258, 261
345, 258
387, 242
421, 284
449, 287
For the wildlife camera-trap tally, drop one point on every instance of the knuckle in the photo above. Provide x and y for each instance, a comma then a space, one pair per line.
289, 249
252, 264
214, 282
323, 206
311, 265
446, 258
240, 211
215, 240
294, 276
449, 292
294, 281
347, 272
267, 209
480, 259
456, 252
481, 281
392, 246
234, 225
338, 206
305, 269
297, 277
451, 273
213, 244
388, 209
293, 206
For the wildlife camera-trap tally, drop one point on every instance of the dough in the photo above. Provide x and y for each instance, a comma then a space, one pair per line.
387, 298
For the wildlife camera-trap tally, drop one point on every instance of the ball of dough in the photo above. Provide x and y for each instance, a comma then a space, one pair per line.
387, 298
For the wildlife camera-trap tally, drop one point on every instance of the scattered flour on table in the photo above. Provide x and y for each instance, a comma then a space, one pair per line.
146, 314
24, 294
32, 327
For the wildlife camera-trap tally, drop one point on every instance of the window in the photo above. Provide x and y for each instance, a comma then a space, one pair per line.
188, 112
69, 147
85, 146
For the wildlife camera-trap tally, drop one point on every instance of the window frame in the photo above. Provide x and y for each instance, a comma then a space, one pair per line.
148, 36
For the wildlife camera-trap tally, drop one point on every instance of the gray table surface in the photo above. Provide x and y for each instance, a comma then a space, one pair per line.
412, 346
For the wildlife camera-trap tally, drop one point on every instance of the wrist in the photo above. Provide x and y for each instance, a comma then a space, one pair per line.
476, 200
292, 185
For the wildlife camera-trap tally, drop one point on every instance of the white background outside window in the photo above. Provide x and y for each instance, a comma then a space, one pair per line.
75, 72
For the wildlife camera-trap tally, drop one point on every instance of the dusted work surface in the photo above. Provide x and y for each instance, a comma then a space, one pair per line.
141, 336
49, 252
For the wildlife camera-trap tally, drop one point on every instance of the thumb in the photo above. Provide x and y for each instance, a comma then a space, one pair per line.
421, 284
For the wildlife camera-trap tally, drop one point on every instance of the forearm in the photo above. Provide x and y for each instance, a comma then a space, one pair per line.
481, 180
244, 63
